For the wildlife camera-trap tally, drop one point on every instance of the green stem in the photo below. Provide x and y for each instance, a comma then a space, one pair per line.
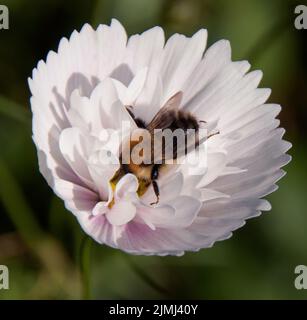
148, 280
85, 262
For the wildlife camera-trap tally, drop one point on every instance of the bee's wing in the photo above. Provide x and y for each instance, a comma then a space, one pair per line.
174, 149
164, 118
163, 150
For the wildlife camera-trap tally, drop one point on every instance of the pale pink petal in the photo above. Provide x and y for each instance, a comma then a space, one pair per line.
121, 213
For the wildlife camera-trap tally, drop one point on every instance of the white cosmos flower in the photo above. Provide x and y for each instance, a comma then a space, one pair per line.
83, 89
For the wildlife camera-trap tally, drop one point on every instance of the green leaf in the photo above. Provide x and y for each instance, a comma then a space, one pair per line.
16, 206
13, 110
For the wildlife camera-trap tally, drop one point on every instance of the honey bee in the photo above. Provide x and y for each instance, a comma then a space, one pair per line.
168, 117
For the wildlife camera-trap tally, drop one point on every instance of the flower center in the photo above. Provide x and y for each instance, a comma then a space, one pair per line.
143, 185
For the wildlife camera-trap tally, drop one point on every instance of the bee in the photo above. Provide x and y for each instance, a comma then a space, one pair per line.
168, 117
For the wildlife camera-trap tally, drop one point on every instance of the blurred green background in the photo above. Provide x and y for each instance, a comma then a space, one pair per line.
40, 240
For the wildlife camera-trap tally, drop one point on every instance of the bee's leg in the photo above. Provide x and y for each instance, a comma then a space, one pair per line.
154, 177
156, 191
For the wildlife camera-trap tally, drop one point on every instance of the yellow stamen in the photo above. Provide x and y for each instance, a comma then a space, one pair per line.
113, 186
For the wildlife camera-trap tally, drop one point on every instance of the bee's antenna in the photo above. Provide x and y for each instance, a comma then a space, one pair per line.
130, 111
129, 107
213, 134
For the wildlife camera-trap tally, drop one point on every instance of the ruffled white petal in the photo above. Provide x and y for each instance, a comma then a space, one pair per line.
79, 98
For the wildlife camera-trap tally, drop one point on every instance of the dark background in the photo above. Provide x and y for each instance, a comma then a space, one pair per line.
40, 240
